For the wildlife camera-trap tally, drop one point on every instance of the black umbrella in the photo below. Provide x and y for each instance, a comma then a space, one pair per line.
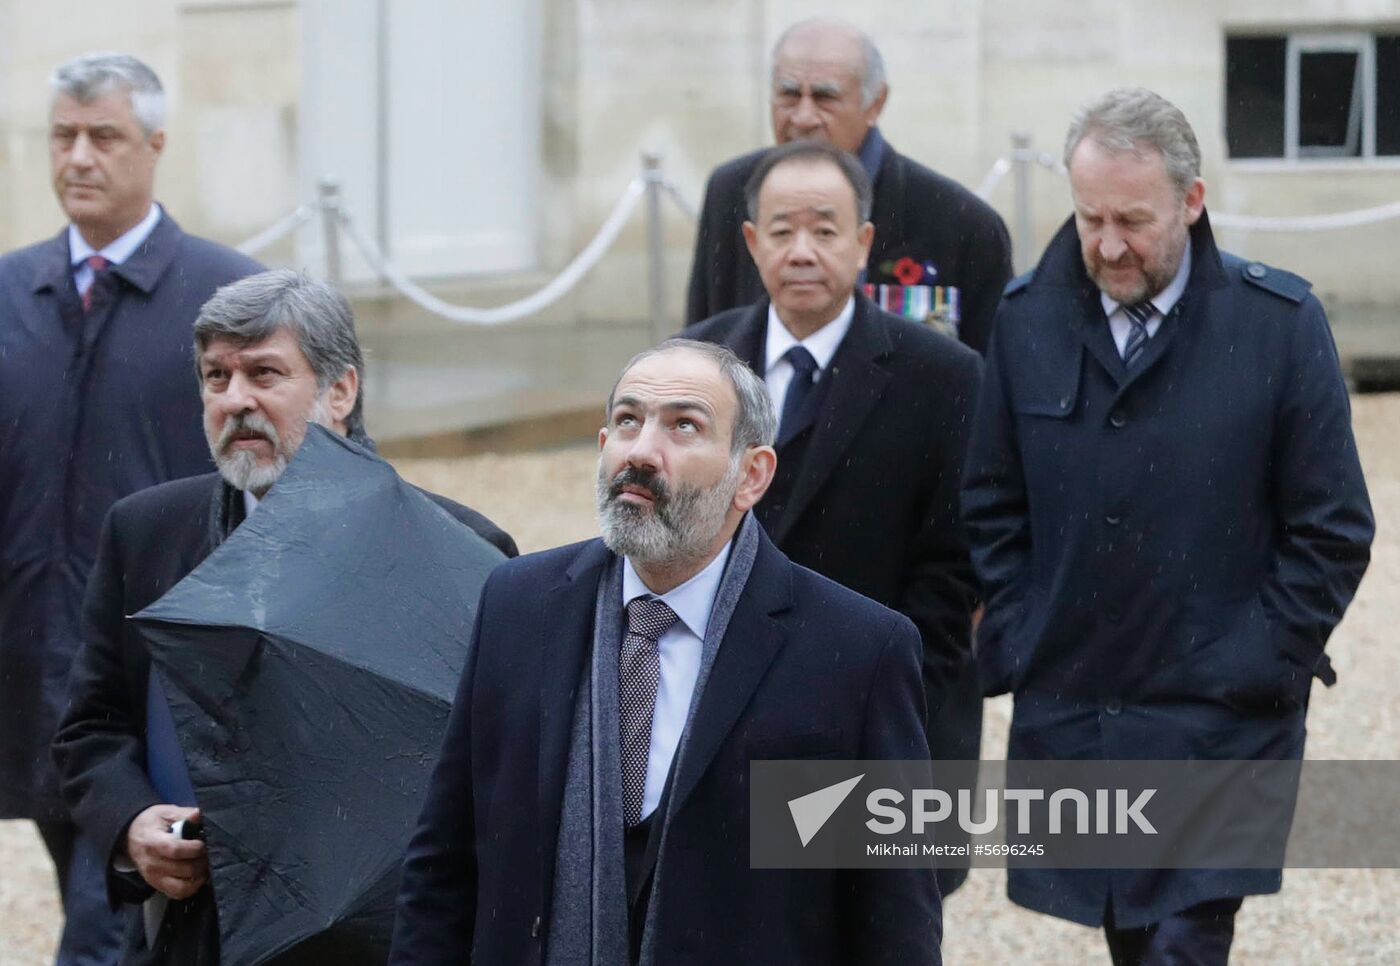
310, 663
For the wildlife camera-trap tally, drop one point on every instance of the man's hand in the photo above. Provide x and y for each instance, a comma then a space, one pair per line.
168, 863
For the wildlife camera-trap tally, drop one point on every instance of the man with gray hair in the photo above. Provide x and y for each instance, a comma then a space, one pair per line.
940, 254
592, 799
1165, 505
275, 352
96, 401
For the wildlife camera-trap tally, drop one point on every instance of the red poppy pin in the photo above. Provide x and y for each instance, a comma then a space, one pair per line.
908, 271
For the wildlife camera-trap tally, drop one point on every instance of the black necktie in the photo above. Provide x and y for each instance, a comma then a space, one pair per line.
804, 367
638, 676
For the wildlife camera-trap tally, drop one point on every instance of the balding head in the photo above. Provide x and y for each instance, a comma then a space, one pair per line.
828, 83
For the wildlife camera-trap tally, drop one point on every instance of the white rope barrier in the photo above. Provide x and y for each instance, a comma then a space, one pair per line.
637, 188
1344, 219
680, 201
1263, 223
279, 229
998, 171
550, 293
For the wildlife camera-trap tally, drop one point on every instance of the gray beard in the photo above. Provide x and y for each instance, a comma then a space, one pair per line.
680, 526
241, 469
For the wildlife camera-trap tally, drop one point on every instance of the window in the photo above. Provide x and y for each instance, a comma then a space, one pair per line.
1313, 95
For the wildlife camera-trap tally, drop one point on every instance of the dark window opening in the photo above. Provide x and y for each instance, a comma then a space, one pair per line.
1254, 79
1313, 94
1388, 94
1329, 104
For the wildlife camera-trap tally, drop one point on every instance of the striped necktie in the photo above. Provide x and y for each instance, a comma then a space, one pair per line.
98, 264
639, 676
1139, 314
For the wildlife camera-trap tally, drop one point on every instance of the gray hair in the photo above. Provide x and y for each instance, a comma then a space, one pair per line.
252, 309
872, 75
812, 151
1135, 120
755, 422
91, 76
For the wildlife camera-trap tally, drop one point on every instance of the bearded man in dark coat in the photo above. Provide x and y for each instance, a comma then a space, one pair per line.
1165, 506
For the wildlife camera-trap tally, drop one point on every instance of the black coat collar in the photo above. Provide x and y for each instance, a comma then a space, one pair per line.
1062, 268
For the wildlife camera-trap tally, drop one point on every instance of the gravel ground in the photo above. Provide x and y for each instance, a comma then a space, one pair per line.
1321, 916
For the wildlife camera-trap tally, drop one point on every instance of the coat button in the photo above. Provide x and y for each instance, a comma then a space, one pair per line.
1118, 419
1112, 519
1113, 615
1064, 402
1256, 270
1113, 706
535, 928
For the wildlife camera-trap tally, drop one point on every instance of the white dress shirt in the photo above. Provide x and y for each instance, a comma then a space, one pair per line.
250, 503
823, 343
1164, 301
679, 650
115, 253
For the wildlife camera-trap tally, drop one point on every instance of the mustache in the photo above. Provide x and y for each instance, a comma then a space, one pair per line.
632, 476
248, 423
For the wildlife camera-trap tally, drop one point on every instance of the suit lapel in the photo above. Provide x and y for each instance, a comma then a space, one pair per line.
1155, 349
749, 339
1207, 274
54, 273
150, 261
857, 382
751, 642
1091, 325
564, 655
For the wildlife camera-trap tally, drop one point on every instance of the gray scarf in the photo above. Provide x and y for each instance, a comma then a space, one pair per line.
588, 916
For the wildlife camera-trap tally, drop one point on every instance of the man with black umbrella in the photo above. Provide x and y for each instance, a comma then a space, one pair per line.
275, 352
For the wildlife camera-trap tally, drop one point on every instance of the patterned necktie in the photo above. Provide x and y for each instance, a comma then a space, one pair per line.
639, 674
1139, 315
799, 388
98, 264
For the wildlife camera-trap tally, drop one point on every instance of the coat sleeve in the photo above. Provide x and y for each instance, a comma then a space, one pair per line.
718, 246
895, 915
100, 745
436, 917
987, 252
940, 588
1320, 500
996, 512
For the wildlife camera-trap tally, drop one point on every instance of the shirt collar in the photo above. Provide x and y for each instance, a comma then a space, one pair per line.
250, 503
692, 601
119, 250
872, 152
822, 343
1165, 300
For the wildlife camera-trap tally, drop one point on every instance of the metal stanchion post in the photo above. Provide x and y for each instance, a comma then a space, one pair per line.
328, 197
656, 247
1024, 159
